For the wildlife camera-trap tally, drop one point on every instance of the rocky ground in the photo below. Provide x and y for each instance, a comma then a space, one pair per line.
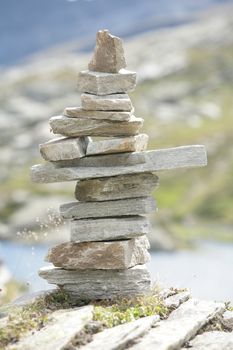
185, 95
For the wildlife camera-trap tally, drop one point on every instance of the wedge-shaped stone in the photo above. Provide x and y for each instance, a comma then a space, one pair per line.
121, 207
100, 284
74, 127
116, 187
109, 53
87, 230
63, 148
78, 112
181, 325
212, 341
100, 255
157, 160
106, 83
135, 143
114, 102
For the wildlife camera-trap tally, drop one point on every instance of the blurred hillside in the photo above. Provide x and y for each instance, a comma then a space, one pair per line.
184, 93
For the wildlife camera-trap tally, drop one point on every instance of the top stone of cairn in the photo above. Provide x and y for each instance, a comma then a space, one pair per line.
108, 56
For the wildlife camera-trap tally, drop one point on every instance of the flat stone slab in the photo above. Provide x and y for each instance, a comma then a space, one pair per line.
76, 127
108, 54
100, 284
212, 341
63, 148
174, 301
181, 325
78, 112
114, 102
106, 83
122, 336
116, 187
121, 207
64, 325
156, 160
100, 255
135, 143
87, 230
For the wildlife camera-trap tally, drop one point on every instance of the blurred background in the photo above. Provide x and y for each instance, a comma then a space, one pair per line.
183, 53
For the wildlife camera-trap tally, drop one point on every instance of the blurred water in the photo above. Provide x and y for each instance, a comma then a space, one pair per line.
207, 270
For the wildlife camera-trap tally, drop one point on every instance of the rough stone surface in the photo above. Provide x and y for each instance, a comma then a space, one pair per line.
116, 187
78, 112
135, 143
86, 230
121, 207
174, 301
212, 341
108, 54
57, 333
114, 102
100, 284
157, 160
100, 255
74, 127
121, 336
63, 149
106, 83
181, 325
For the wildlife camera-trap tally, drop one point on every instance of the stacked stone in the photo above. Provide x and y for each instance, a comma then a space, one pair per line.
108, 249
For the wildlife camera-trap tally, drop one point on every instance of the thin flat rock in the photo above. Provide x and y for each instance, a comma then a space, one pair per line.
78, 112
212, 341
114, 102
63, 148
135, 143
181, 325
122, 336
76, 127
64, 325
156, 160
116, 187
108, 54
106, 83
100, 255
99, 284
87, 230
174, 301
121, 207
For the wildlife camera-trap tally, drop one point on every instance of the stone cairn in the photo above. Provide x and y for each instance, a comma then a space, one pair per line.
108, 248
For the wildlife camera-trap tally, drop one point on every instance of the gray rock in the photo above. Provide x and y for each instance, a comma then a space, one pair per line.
181, 325
157, 160
100, 255
114, 102
135, 143
108, 228
109, 53
63, 325
174, 301
116, 187
100, 284
63, 148
121, 207
212, 341
106, 83
78, 112
74, 127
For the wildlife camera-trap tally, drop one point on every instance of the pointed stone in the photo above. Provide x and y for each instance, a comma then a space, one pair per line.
76, 127
63, 148
115, 102
122, 207
100, 255
135, 143
78, 112
116, 187
100, 284
88, 230
106, 83
109, 53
